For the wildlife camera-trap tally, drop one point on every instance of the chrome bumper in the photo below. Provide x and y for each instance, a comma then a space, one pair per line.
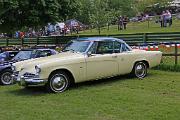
24, 81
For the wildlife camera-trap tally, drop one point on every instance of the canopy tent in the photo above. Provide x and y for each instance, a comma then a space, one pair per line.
73, 22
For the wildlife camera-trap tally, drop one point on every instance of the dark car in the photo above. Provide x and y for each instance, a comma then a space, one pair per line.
5, 67
7, 55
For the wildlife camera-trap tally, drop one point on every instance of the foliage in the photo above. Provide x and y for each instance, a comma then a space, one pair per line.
103, 12
167, 67
151, 5
69, 9
20, 14
17, 14
99, 15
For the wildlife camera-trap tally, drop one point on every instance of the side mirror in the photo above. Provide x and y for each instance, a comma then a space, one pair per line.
48, 54
89, 54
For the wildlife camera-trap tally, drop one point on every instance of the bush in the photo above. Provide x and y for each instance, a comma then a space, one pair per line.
165, 67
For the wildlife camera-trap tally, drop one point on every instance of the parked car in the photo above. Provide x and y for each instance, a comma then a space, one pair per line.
85, 59
5, 67
7, 55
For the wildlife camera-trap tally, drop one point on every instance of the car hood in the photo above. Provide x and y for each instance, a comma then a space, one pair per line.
138, 50
43, 60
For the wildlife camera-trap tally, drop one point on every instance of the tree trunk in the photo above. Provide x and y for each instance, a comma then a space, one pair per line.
99, 30
108, 26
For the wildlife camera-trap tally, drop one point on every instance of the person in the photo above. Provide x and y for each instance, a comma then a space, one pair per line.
120, 23
22, 34
125, 21
164, 14
169, 17
161, 20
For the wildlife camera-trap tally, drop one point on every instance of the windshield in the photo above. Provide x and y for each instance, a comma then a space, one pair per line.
3, 55
77, 46
22, 55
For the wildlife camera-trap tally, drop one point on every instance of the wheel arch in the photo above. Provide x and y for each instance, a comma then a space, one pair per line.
3, 69
66, 71
144, 61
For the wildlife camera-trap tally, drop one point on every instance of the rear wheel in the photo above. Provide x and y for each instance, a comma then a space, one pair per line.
58, 82
6, 78
140, 70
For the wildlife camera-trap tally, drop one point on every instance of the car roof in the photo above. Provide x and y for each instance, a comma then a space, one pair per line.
99, 39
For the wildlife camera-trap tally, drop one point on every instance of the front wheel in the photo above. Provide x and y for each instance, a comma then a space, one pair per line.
140, 70
58, 82
6, 77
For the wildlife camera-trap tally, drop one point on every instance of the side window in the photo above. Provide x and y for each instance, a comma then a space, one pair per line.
105, 47
124, 48
11, 55
92, 50
44, 53
117, 47
48, 53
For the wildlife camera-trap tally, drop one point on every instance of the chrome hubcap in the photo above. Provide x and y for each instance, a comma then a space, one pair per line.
59, 82
6, 78
140, 70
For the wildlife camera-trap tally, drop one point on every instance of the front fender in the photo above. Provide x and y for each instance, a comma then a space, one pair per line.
77, 75
4, 67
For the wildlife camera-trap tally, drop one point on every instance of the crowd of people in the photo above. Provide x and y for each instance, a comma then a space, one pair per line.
166, 18
58, 29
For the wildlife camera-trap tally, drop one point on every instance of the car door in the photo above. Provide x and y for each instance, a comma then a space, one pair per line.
124, 57
102, 61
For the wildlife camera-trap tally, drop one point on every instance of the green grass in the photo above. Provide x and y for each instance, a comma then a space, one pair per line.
168, 67
137, 27
154, 98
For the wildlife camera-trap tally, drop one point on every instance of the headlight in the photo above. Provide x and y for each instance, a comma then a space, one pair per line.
13, 68
38, 69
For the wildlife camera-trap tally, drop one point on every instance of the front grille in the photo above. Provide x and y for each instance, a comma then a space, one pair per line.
29, 75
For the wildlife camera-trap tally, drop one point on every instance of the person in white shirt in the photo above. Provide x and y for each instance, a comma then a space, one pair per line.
169, 17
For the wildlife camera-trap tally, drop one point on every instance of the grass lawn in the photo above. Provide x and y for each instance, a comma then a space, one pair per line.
135, 27
157, 97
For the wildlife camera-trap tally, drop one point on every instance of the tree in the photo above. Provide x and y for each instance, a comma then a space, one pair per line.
142, 5
85, 11
69, 9
102, 12
98, 17
19, 14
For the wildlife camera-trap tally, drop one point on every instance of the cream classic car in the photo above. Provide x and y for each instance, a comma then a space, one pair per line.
85, 59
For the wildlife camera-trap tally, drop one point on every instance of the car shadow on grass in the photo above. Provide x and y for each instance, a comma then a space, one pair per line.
111, 80
41, 90
30, 91
101, 82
